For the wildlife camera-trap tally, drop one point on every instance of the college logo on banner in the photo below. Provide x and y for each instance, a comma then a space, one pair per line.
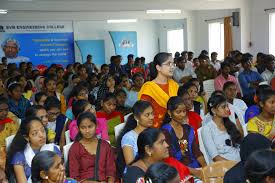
125, 43
37, 42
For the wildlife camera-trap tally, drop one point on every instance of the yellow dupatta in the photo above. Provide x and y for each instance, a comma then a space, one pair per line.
153, 90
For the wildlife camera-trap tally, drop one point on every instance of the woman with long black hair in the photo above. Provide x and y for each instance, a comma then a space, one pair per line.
220, 136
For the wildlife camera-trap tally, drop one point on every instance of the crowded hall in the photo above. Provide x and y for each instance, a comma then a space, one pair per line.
124, 92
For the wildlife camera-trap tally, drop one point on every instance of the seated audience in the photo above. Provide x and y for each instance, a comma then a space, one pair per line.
254, 110
225, 77
141, 119
29, 140
90, 158
152, 148
249, 81
183, 74
251, 143
47, 167
121, 96
161, 172
220, 136
132, 94
73, 80
180, 135
269, 68
56, 120
108, 113
78, 108
107, 85
41, 113
205, 71
215, 62
264, 122
260, 167
50, 88
18, 104
39, 98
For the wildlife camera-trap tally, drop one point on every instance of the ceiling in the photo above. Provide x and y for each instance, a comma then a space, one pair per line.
115, 5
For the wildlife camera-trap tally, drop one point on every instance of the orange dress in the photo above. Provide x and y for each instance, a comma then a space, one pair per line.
158, 95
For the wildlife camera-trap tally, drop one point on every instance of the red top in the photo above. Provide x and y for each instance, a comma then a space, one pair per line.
194, 121
82, 163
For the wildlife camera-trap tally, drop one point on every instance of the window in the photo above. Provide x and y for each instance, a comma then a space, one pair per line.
175, 41
272, 33
216, 39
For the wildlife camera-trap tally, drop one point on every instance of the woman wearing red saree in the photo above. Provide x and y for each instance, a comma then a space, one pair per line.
91, 159
161, 88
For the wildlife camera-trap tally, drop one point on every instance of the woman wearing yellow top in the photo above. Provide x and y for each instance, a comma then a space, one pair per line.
161, 88
264, 123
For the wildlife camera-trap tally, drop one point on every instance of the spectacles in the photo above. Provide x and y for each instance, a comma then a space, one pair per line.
53, 113
170, 64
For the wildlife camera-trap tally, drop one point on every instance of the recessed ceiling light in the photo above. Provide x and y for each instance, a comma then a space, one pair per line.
122, 21
166, 11
3, 11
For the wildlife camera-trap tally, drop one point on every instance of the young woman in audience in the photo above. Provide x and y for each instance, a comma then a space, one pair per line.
260, 167
192, 89
29, 140
180, 135
79, 107
161, 88
264, 122
50, 88
27, 89
108, 113
254, 110
132, 94
39, 84
162, 173
47, 167
56, 120
59, 73
40, 98
141, 119
40, 112
194, 119
18, 104
107, 85
73, 80
152, 148
91, 159
230, 91
220, 136
79, 92
8, 127
121, 96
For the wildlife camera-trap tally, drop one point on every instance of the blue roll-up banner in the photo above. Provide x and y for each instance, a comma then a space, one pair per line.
96, 48
37, 42
125, 43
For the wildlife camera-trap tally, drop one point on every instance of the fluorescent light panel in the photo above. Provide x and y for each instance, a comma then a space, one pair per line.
166, 11
122, 21
3, 11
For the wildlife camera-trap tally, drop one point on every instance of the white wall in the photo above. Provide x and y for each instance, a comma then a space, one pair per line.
200, 28
147, 37
259, 28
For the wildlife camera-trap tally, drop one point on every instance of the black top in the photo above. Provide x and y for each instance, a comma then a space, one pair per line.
132, 174
235, 174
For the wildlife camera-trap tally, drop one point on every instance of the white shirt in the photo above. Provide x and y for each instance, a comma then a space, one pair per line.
239, 104
179, 73
267, 75
216, 65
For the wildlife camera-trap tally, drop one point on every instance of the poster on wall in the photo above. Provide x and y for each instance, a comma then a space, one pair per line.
96, 48
37, 42
125, 43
